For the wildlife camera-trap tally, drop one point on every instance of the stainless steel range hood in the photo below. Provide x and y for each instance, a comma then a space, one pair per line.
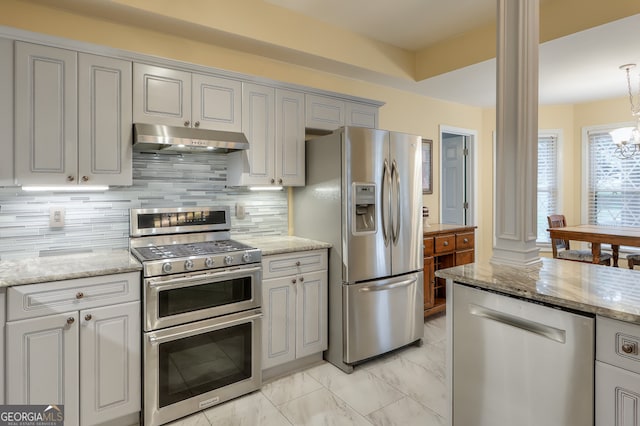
155, 137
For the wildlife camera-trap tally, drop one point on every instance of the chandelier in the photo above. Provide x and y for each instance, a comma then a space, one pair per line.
627, 139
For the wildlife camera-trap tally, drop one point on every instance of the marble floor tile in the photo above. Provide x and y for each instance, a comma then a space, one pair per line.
430, 356
322, 408
405, 412
250, 410
290, 387
198, 419
435, 330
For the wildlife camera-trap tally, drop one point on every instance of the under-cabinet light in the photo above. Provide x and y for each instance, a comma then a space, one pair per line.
70, 188
265, 188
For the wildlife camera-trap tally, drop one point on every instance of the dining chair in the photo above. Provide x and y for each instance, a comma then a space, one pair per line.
562, 250
632, 260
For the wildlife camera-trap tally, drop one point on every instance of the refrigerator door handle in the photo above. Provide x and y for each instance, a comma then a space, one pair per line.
385, 193
386, 287
395, 220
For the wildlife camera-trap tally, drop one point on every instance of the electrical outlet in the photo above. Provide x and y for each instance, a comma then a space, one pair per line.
56, 217
240, 211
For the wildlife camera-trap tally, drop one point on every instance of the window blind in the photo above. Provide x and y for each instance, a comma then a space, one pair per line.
613, 187
547, 183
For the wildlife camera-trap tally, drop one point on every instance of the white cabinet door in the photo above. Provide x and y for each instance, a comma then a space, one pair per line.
289, 148
258, 124
278, 332
161, 96
6, 112
46, 138
42, 362
617, 396
109, 362
104, 121
217, 103
311, 309
362, 115
324, 113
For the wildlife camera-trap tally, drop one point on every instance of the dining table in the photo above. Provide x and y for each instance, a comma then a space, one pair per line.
615, 236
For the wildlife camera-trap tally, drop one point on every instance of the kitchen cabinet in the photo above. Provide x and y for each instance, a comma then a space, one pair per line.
6, 112
294, 301
273, 121
444, 246
180, 98
617, 392
77, 343
327, 113
73, 117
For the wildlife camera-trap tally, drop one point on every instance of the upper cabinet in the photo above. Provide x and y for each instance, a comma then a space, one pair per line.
72, 117
6, 112
327, 113
178, 98
273, 121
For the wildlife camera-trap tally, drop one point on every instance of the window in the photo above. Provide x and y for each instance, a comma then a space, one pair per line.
547, 182
613, 184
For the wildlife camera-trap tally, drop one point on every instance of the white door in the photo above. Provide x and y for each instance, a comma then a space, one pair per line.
258, 124
161, 96
289, 146
311, 301
278, 325
216, 103
104, 121
617, 396
456, 177
42, 363
46, 132
109, 362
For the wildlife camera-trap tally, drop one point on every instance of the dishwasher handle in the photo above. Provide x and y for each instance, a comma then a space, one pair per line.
543, 330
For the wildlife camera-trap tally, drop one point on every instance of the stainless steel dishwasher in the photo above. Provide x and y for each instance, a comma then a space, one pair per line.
515, 362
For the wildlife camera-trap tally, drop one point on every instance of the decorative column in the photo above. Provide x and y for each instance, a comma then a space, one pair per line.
517, 133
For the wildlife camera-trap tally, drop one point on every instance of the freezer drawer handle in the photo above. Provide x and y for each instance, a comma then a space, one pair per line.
387, 286
551, 333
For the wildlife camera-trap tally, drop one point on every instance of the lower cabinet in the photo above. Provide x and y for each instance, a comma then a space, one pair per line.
87, 358
294, 301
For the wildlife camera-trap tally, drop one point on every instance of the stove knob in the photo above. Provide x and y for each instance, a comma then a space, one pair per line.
166, 267
188, 264
208, 262
228, 260
246, 257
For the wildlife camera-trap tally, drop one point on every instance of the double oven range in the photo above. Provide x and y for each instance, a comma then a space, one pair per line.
201, 310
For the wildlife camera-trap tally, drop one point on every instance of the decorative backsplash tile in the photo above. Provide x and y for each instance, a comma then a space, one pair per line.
100, 221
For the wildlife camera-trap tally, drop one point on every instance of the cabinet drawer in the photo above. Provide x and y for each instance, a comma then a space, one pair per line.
428, 246
618, 343
465, 241
281, 265
34, 300
445, 244
464, 257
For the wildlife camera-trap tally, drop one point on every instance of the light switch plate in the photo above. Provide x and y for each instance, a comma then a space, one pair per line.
56, 217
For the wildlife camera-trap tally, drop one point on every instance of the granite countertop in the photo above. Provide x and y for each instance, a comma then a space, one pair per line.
281, 244
602, 290
55, 268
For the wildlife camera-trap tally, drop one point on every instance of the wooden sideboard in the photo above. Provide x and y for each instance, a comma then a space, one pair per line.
444, 246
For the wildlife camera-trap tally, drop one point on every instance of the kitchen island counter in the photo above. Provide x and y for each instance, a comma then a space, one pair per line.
281, 244
602, 290
55, 268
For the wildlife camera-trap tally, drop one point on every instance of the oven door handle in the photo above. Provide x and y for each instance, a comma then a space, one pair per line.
154, 340
195, 280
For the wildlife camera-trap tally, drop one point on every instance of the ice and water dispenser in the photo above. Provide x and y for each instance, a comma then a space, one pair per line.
364, 206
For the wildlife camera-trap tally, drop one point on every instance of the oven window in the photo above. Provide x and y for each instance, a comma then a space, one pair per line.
203, 296
195, 365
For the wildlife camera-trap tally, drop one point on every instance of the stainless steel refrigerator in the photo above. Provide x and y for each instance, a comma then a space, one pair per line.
363, 195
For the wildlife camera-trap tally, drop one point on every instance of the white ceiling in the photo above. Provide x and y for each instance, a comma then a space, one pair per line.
577, 68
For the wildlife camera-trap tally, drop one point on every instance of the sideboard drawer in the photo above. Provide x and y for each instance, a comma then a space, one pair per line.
464, 257
428, 246
465, 241
445, 243
618, 343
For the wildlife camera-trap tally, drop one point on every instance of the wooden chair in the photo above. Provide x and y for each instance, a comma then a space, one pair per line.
561, 249
633, 259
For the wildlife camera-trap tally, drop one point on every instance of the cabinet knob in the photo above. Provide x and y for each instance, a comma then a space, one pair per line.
301, 279
85, 178
88, 317
298, 263
71, 178
273, 181
293, 281
196, 124
466, 240
71, 320
79, 295
629, 348
280, 181
446, 243
186, 123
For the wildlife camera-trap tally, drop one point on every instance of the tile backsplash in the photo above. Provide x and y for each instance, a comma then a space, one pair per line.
100, 221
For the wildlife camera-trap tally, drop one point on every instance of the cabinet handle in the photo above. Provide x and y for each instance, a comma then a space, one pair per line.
79, 295
196, 124
71, 320
186, 123
88, 317
446, 243
85, 178
628, 348
466, 240
71, 178
293, 281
